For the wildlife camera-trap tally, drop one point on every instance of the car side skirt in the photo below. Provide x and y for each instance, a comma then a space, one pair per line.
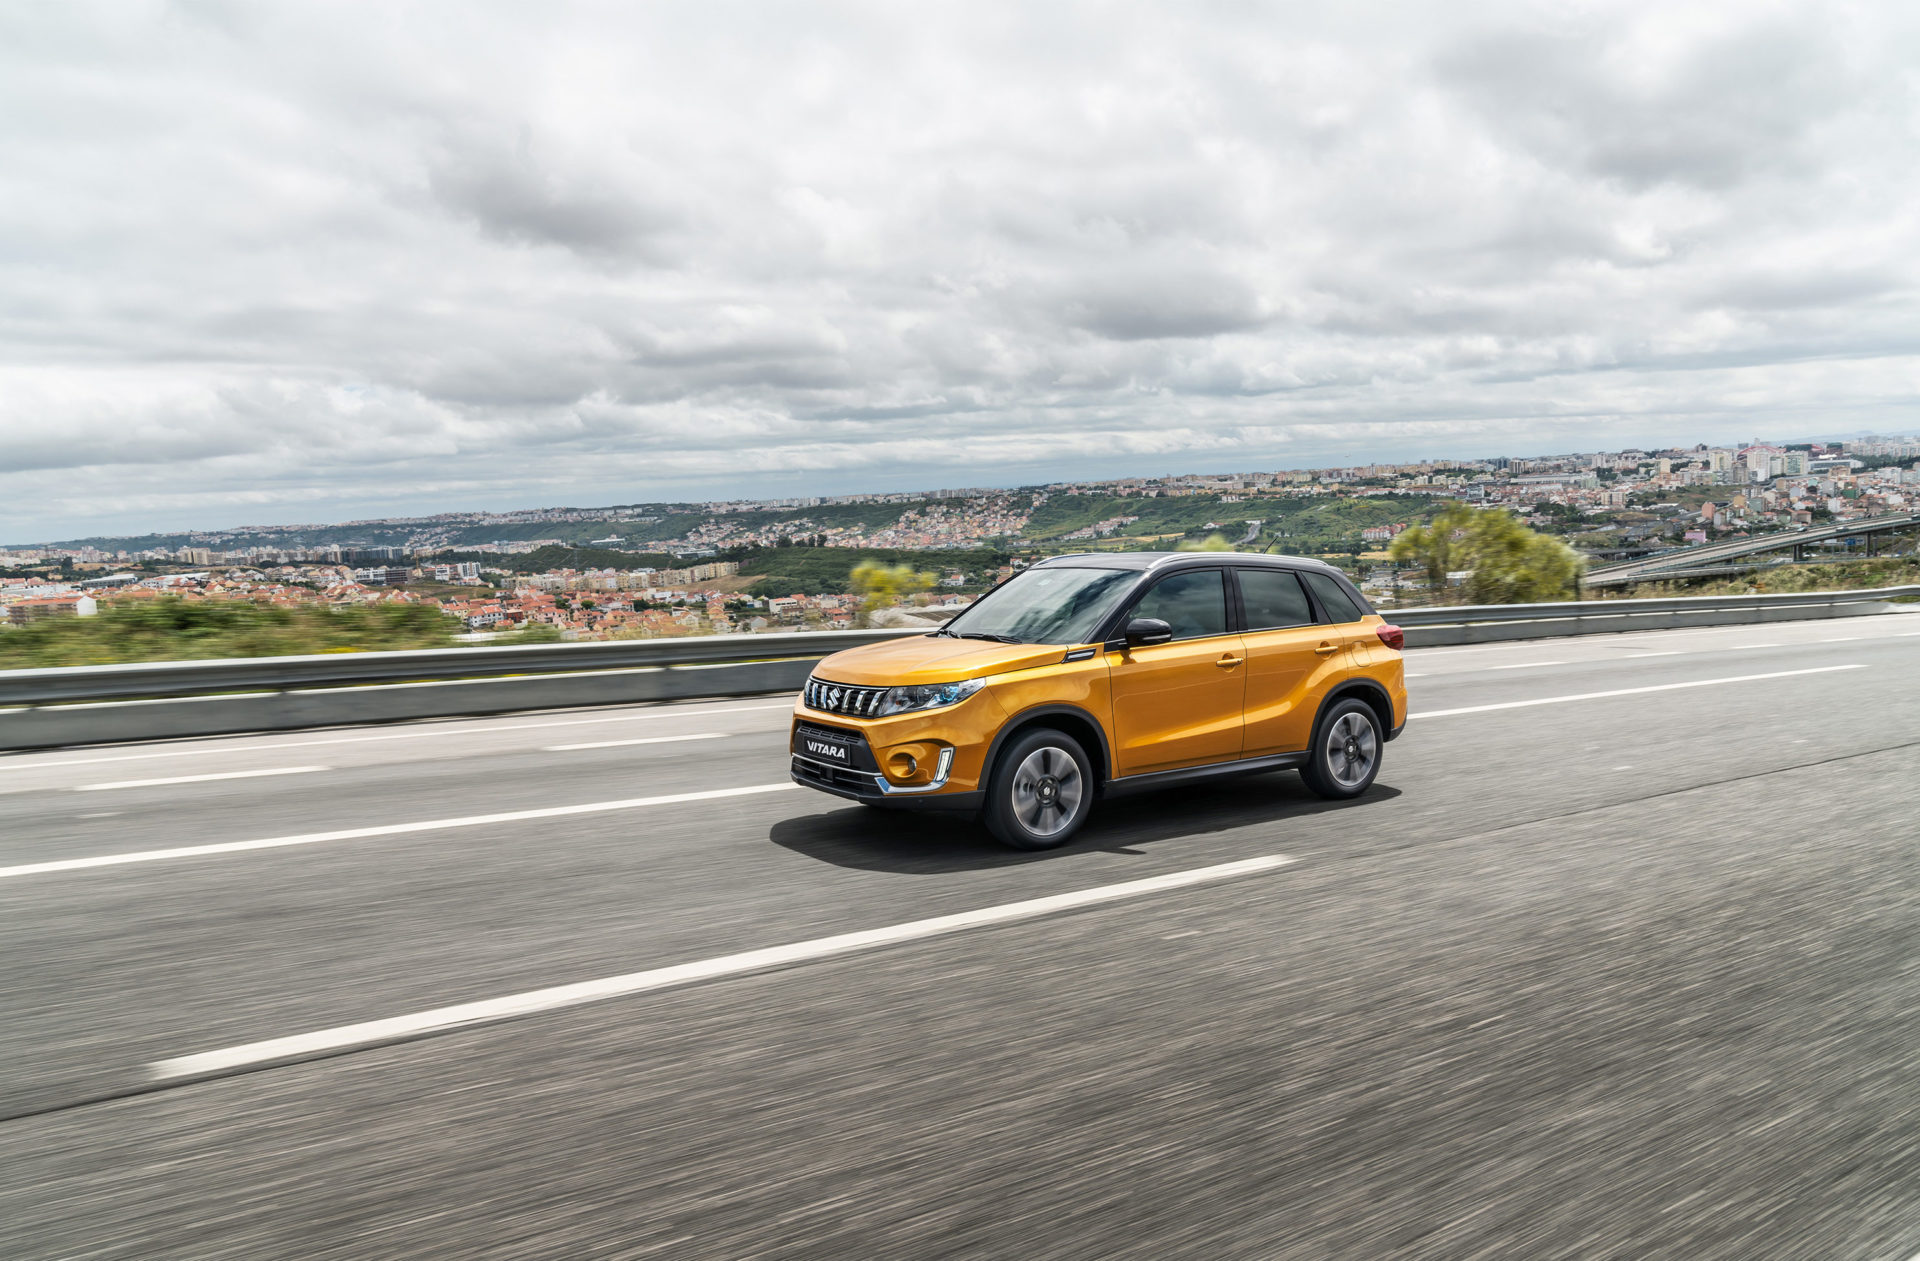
1154, 780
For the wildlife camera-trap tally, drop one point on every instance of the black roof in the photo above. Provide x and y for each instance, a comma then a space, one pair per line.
1177, 560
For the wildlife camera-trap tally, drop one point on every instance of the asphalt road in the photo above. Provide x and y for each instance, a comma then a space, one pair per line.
1634, 974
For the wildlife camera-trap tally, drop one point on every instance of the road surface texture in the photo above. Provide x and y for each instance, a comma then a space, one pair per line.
1620, 958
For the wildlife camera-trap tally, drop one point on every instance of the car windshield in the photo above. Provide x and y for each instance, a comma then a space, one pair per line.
1055, 605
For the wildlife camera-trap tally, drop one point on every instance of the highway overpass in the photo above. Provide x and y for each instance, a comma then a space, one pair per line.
1734, 555
1617, 960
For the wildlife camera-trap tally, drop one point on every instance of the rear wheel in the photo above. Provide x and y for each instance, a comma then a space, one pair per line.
1345, 755
1041, 791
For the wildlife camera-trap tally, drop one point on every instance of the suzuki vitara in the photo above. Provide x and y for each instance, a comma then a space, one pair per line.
1091, 676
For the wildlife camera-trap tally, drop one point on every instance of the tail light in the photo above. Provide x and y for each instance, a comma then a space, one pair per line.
1392, 636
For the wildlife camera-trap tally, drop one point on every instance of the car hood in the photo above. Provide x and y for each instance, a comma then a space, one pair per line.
931, 659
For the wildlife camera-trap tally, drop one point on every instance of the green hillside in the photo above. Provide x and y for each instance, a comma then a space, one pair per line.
824, 570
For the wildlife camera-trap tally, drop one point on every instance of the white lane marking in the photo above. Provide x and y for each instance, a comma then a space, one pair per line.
612, 744
1528, 665
389, 829
1627, 639
1627, 691
203, 750
1642, 656
197, 779
1738, 647
1838, 639
487, 1011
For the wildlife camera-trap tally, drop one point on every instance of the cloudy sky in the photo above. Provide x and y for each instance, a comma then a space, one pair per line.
300, 262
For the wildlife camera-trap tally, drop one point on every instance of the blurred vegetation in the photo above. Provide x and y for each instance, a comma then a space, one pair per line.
178, 630
883, 586
1501, 560
1212, 543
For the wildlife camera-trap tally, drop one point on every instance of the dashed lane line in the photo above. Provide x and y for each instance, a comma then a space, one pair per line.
197, 779
344, 1038
616, 744
389, 829
442, 731
1629, 691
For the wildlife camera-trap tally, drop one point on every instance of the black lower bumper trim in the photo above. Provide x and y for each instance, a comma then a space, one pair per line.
855, 786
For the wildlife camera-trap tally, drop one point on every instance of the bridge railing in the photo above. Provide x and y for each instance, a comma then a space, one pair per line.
167, 699
1652, 567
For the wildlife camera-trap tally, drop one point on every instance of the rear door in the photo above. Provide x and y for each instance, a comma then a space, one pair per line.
1341, 614
1179, 704
1293, 659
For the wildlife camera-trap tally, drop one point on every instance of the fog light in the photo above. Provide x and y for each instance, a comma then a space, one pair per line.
902, 765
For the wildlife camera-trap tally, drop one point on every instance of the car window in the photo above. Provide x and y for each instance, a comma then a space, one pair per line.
1194, 604
1333, 598
1050, 605
1272, 599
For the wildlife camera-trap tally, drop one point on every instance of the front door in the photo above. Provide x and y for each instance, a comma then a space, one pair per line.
1291, 662
1179, 704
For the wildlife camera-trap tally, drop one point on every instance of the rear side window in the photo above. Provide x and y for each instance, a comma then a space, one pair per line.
1333, 598
1272, 599
1194, 604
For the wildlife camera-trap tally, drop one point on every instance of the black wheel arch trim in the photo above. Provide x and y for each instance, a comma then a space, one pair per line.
1025, 720
1377, 699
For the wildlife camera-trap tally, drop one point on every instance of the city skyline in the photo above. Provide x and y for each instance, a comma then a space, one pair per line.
1004, 521
590, 511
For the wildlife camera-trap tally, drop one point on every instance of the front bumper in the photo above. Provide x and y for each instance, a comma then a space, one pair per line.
872, 787
854, 772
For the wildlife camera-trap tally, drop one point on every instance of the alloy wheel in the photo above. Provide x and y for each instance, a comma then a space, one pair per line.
1047, 789
1352, 748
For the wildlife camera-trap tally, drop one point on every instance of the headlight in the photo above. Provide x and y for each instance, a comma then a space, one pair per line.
902, 700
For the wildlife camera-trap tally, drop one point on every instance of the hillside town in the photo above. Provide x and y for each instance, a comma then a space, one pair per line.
1605, 502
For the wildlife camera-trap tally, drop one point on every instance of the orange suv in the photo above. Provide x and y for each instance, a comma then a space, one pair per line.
1092, 676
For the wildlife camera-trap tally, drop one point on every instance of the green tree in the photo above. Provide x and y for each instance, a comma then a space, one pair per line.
1501, 560
882, 586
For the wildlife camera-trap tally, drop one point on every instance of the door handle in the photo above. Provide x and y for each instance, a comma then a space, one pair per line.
1327, 650
1228, 662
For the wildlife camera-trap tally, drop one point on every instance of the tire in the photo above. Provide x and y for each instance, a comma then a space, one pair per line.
1345, 754
1041, 791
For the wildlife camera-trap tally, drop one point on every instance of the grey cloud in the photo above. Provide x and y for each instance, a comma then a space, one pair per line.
514, 197
1709, 114
1162, 303
268, 259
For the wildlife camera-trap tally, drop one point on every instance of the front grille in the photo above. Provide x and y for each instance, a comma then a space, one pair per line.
836, 778
842, 698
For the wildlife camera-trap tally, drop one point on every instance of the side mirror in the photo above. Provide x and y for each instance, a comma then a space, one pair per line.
1142, 631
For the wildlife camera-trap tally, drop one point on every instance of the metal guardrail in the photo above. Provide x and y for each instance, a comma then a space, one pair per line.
173, 699
1441, 614
347, 669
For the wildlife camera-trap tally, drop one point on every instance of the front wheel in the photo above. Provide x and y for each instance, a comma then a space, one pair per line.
1346, 751
1041, 791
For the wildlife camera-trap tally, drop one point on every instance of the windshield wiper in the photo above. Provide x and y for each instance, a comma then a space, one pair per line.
998, 639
